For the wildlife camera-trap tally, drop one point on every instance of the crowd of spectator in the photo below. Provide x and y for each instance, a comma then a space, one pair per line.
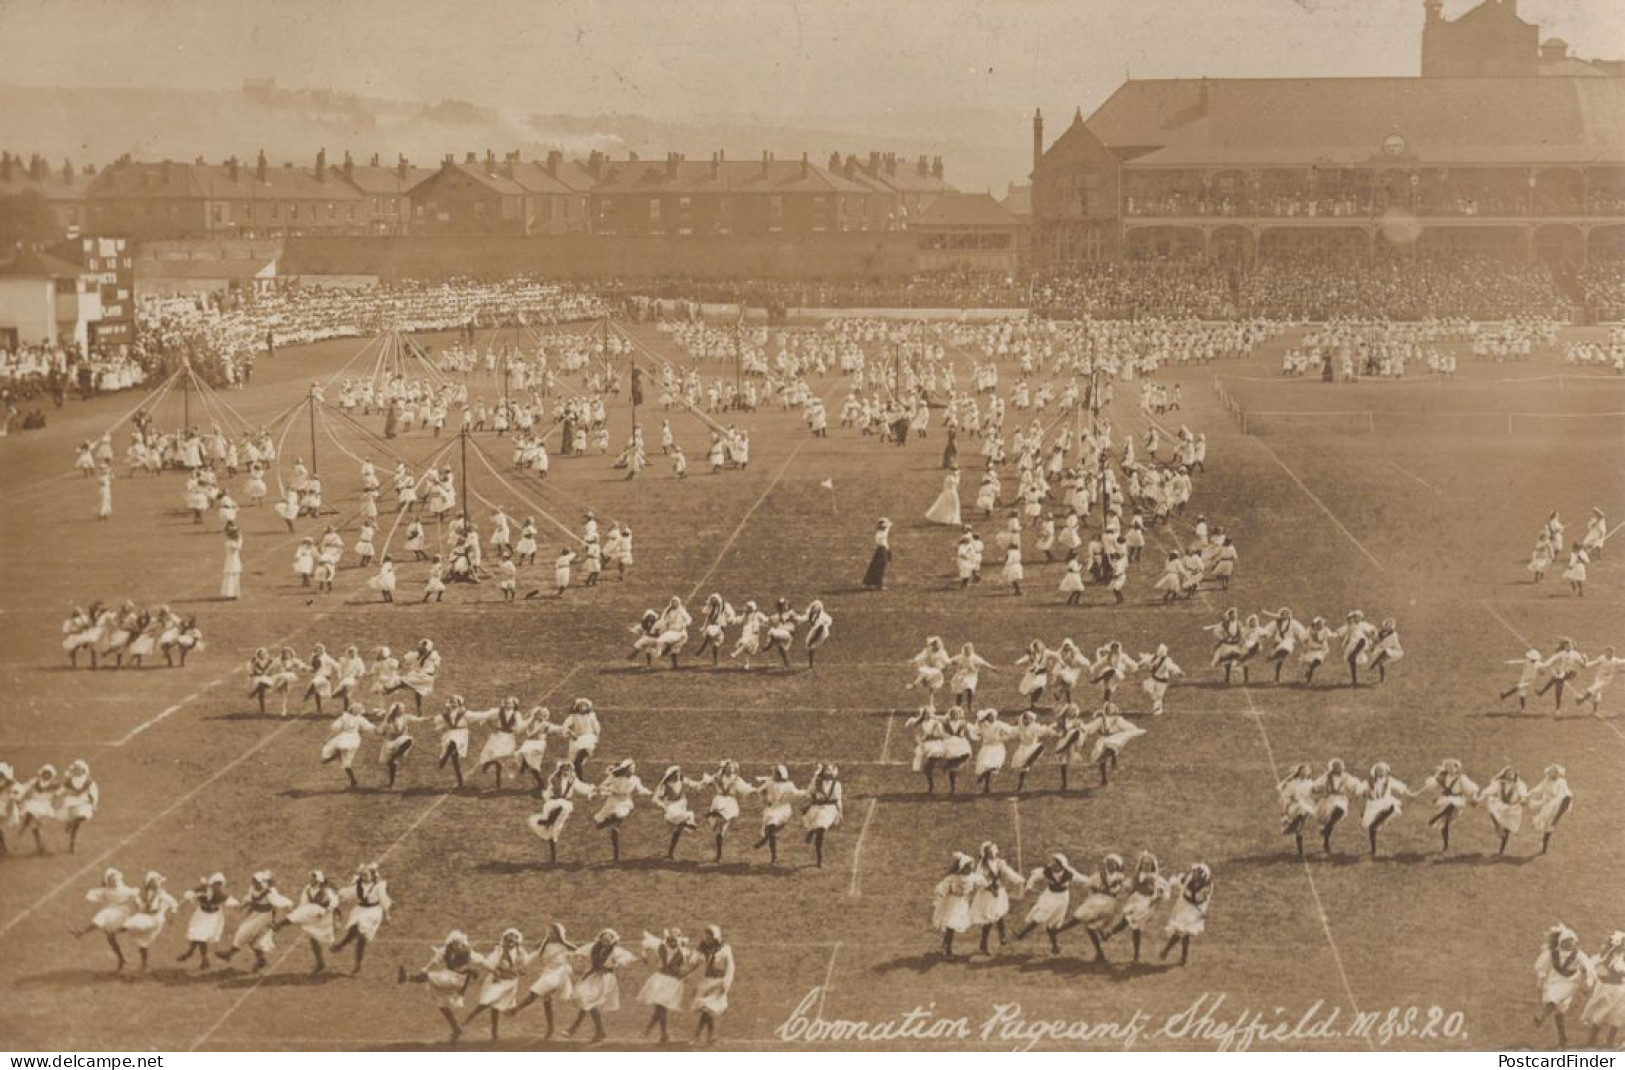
949, 288
1400, 288
221, 335
1138, 289
1602, 282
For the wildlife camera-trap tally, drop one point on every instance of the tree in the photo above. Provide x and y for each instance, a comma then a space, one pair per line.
26, 219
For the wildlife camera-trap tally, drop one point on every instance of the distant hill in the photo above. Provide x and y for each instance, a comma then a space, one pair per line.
979, 149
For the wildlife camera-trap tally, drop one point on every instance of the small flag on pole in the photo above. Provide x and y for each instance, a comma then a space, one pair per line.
828, 484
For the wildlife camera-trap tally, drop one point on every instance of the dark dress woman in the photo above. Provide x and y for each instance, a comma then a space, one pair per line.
950, 450
875, 578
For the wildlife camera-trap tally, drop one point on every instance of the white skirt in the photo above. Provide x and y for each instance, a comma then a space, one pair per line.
1606, 1007
499, 746
989, 905
952, 913
821, 817
1376, 808
548, 823
554, 981
724, 807
500, 993
1186, 919
1050, 909
662, 990
1507, 815
711, 997
314, 921
990, 758
206, 928
598, 991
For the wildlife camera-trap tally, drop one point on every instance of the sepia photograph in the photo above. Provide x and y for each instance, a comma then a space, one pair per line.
933, 527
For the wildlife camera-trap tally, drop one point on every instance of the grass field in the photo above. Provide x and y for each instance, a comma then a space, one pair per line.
1420, 520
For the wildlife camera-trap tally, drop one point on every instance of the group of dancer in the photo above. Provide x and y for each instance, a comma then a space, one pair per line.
1326, 798
331, 916
586, 975
108, 633
1550, 547
71, 797
1569, 978
1556, 671
944, 742
327, 677
1276, 637
1043, 669
978, 890
664, 635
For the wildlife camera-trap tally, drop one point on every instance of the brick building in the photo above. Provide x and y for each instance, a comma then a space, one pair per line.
722, 196
507, 197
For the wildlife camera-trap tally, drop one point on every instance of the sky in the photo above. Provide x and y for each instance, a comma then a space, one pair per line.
771, 58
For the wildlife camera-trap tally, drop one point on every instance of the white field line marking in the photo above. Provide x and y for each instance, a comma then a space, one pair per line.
772, 484
757, 504
1519, 636
1257, 717
427, 812
855, 887
96, 864
205, 689
1402, 470
829, 976
1358, 545
885, 743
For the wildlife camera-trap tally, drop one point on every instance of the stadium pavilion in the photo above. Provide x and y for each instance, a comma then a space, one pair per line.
1504, 145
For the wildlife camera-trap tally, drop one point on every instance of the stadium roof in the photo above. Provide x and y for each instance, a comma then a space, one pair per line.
721, 176
32, 264
1347, 121
955, 209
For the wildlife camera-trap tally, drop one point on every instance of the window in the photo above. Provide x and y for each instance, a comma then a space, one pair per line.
654, 209
293, 213
276, 212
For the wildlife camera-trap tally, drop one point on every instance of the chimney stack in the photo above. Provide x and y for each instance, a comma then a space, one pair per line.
321, 165
554, 159
595, 163
924, 166
259, 166
936, 167
349, 166
766, 159
874, 163
671, 165
891, 163
400, 165
374, 160
806, 168
232, 170
67, 169
471, 158
1038, 137
834, 162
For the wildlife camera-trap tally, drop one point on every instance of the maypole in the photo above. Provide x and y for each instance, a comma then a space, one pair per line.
310, 404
